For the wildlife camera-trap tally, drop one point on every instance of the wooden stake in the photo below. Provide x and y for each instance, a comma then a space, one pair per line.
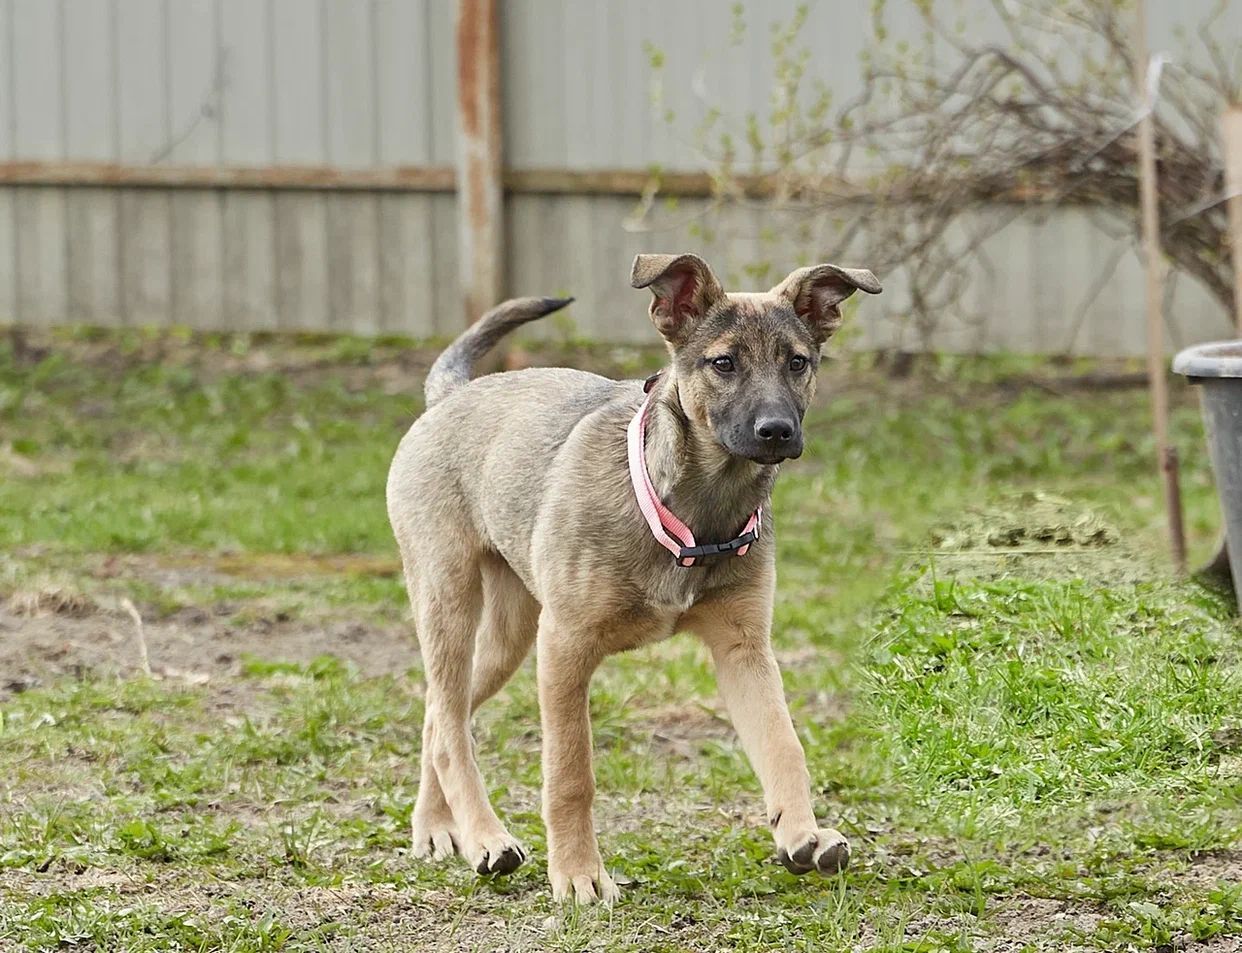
1154, 262
1231, 138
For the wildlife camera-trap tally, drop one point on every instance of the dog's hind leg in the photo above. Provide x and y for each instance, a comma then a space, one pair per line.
434, 832
506, 630
505, 634
448, 614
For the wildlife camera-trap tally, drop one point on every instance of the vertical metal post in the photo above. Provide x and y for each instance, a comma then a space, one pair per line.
480, 205
1154, 260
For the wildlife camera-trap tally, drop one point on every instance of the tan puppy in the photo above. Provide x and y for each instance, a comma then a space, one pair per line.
517, 510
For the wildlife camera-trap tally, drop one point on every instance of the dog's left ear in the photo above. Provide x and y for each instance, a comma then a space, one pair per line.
816, 293
683, 289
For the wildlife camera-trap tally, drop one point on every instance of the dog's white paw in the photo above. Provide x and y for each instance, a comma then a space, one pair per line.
497, 854
590, 884
434, 841
825, 850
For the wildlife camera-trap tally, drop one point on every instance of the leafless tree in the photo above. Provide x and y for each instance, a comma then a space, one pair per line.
978, 133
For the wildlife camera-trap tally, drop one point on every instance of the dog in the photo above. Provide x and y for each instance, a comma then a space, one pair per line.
557, 508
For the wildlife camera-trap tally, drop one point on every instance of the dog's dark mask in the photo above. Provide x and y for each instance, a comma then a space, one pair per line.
745, 362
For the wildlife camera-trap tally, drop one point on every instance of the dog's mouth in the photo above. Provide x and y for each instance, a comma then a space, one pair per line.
765, 456
771, 459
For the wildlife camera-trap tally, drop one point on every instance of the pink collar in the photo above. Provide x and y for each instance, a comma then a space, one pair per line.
669, 531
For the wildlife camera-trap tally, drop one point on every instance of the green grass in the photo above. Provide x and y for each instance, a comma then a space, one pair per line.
1042, 751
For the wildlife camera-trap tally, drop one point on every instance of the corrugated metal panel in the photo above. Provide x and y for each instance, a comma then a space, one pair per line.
94, 270
349, 81
353, 262
144, 231
356, 82
580, 84
302, 260
297, 82
242, 82
403, 82
194, 81
443, 61
250, 299
141, 70
446, 318
35, 48
201, 116
7, 149
41, 267
90, 101
8, 259
406, 265
196, 275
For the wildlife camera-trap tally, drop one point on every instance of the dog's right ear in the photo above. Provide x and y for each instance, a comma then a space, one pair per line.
683, 288
816, 294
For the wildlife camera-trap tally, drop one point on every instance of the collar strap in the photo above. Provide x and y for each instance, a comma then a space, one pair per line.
668, 530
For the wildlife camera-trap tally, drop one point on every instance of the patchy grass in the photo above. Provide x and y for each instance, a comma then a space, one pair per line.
1032, 737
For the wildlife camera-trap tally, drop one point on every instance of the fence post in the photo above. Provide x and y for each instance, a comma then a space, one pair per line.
480, 198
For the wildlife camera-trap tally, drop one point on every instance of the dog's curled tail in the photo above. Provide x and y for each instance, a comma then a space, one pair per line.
453, 367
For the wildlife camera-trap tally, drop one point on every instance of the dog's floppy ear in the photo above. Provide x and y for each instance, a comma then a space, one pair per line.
816, 293
683, 288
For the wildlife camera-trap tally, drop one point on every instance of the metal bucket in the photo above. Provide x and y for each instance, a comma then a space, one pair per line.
1217, 368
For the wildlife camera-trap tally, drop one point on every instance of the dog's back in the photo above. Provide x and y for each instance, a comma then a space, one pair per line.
483, 452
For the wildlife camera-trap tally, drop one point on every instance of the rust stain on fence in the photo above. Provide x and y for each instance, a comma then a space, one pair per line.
468, 45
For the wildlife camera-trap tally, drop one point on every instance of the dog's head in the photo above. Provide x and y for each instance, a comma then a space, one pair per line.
745, 363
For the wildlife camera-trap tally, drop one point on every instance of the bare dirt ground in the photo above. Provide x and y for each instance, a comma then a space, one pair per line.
50, 634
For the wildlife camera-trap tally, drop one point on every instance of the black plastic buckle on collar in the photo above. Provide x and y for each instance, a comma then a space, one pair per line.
716, 549
650, 382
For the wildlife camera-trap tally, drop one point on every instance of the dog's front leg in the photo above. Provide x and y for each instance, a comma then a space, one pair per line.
737, 631
566, 660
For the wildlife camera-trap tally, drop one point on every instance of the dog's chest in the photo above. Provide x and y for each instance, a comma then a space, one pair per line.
678, 589
668, 596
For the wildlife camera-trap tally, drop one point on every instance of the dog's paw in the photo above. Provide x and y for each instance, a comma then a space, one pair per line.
497, 855
434, 841
824, 850
591, 884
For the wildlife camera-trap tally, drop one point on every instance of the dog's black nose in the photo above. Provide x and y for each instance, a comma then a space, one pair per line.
775, 430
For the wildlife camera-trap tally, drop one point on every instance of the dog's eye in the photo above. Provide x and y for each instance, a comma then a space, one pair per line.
798, 363
723, 364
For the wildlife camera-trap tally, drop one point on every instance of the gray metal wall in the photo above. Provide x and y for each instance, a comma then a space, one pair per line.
237, 82
361, 84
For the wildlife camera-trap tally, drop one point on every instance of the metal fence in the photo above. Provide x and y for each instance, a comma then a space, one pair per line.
289, 164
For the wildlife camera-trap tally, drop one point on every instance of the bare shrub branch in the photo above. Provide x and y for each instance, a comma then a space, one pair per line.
948, 130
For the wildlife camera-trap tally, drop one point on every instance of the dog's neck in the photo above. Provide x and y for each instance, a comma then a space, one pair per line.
711, 490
